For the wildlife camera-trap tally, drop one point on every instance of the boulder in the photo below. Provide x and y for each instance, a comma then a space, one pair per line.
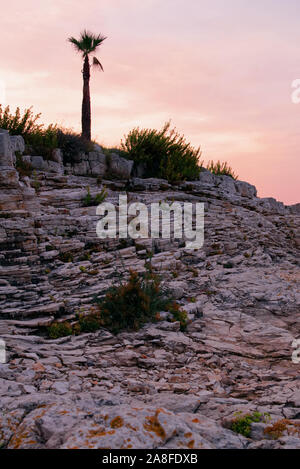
245, 189
39, 163
81, 169
295, 208
79, 157
55, 167
26, 159
17, 143
97, 162
271, 205
207, 177
226, 183
5, 149
119, 167
177, 288
57, 156
9, 178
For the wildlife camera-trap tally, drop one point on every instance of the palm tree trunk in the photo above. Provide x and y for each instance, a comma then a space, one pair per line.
86, 102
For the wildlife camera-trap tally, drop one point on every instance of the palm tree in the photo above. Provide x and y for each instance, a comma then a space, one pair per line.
86, 45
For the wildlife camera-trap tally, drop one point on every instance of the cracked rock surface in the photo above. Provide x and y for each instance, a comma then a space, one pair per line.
157, 387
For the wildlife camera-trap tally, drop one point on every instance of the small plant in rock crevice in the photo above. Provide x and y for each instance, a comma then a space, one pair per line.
66, 257
89, 323
179, 315
89, 200
59, 329
281, 427
36, 183
242, 423
23, 167
126, 306
129, 305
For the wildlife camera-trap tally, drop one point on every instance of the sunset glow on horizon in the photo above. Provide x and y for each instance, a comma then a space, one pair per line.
221, 71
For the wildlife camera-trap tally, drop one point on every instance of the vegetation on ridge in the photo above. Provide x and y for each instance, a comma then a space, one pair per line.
162, 153
41, 140
221, 169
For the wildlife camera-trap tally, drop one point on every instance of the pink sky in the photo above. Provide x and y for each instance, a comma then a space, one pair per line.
221, 71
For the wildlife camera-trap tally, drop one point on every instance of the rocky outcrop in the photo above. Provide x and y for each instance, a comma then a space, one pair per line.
119, 167
15, 194
94, 163
157, 387
6, 153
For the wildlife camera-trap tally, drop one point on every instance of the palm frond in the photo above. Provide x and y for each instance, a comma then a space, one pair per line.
97, 40
77, 44
87, 42
97, 63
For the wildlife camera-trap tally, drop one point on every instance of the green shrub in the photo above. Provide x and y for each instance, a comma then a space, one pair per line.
89, 323
130, 305
127, 306
43, 143
39, 140
59, 329
220, 169
242, 424
164, 153
108, 151
72, 144
19, 125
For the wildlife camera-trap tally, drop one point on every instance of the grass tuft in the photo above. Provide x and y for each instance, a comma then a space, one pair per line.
221, 169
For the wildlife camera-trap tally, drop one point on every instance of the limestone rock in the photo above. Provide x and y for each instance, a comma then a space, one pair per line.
119, 167
17, 143
165, 385
97, 163
5, 149
57, 156
207, 177
39, 163
246, 189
